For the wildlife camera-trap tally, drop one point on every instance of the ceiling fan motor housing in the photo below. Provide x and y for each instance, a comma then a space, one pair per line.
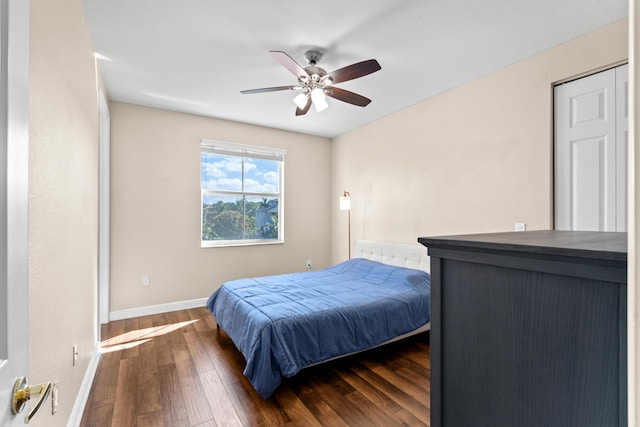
314, 72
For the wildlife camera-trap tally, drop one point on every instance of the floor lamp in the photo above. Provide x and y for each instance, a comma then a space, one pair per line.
345, 205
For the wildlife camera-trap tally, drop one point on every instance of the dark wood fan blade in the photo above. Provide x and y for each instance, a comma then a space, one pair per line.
288, 63
269, 89
347, 96
354, 71
303, 111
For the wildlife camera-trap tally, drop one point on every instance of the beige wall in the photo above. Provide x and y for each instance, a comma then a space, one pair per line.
63, 216
155, 207
477, 158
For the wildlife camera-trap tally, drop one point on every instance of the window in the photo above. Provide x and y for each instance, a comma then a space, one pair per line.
241, 194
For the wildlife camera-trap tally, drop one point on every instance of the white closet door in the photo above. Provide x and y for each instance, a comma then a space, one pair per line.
585, 150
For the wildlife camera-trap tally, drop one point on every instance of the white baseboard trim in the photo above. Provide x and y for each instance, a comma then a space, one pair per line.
156, 309
85, 388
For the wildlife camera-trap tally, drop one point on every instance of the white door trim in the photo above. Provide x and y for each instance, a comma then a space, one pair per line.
622, 143
104, 207
633, 274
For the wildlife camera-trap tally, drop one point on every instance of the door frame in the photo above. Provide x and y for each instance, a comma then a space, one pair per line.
104, 197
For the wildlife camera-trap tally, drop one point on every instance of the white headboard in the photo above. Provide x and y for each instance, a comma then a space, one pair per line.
399, 254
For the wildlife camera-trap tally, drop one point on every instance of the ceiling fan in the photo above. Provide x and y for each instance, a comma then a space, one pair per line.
316, 84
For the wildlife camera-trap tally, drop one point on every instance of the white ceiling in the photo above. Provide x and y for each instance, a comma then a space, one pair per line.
195, 56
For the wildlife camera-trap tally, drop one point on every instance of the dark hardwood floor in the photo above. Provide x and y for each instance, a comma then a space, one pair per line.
178, 369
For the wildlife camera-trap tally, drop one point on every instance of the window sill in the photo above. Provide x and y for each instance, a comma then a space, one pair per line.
231, 243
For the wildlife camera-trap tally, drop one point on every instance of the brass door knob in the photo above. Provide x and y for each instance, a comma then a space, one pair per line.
22, 392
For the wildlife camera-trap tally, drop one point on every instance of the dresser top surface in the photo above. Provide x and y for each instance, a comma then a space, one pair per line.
583, 244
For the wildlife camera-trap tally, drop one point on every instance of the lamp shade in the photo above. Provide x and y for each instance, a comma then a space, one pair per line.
345, 202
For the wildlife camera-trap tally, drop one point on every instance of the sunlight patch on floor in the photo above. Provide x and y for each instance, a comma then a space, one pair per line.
138, 337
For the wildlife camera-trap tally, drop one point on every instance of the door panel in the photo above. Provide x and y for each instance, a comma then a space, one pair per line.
14, 172
588, 182
589, 109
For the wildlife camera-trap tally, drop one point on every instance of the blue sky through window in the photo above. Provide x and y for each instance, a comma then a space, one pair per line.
220, 172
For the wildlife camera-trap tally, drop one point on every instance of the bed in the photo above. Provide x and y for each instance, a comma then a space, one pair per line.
285, 323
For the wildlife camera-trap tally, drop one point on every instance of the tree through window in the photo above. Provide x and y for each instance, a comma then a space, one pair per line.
241, 188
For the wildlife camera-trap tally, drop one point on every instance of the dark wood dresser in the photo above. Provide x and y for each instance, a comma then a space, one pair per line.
528, 329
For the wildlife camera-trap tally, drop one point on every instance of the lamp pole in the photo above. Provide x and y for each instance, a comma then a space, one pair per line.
345, 205
349, 216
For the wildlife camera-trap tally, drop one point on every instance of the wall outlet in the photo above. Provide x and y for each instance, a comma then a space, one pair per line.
521, 226
309, 263
145, 280
75, 354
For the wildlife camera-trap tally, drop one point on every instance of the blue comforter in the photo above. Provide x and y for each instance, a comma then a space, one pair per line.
284, 323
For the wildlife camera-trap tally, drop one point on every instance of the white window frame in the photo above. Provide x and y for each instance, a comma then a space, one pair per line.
245, 151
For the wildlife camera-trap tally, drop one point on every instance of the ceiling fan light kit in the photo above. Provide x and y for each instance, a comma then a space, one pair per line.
300, 100
319, 99
315, 82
